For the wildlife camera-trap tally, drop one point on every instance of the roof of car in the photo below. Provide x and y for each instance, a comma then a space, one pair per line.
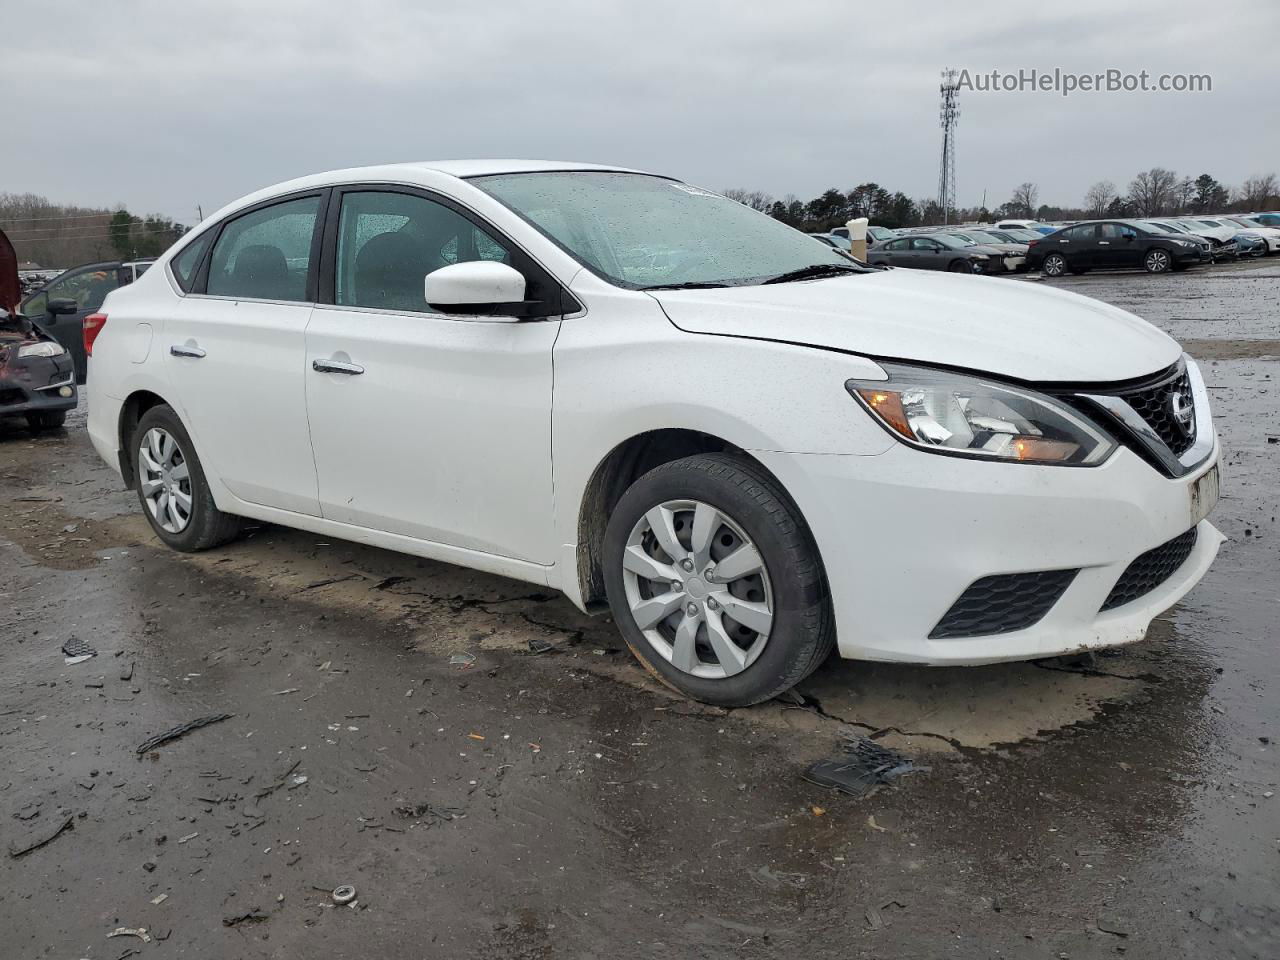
410, 172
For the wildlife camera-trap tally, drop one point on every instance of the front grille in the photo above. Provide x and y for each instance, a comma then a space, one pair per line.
1155, 405
11, 396
1003, 603
1150, 570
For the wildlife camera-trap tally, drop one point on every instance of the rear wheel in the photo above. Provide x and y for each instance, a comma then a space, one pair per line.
172, 488
1157, 261
1055, 265
46, 419
715, 582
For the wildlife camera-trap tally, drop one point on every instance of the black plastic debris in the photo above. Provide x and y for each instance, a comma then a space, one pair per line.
864, 766
182, 730
77, 651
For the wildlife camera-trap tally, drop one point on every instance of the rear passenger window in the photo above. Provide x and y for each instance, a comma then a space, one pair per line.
389, 242
265, 255
187, 262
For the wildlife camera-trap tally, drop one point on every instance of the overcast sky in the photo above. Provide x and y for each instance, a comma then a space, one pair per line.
164, 105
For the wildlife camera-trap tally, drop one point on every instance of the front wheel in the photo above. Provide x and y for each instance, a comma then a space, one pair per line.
1157, 261
715, 582
172, 488
1055, 265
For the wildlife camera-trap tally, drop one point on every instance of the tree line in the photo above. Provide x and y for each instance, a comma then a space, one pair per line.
52, 235
1157, 192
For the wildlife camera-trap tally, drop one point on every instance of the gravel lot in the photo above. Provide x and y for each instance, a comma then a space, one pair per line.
392, 729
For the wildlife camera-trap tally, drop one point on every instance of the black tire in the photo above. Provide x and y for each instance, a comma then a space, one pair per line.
803, 630
1054, 265
1157, 260
208, 526
959, 266
46, 419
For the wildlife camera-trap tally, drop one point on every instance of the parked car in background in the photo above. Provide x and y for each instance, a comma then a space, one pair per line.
875, 234
832, 240
1115, 245
1266, 219
369, 354
37, 379
1269, 235
1173, 228
1017, 224
1013, 253
61, 305
1248, 241
1014, 234
928, 252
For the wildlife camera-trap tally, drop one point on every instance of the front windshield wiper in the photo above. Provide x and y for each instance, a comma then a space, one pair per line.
814, 271
687, 285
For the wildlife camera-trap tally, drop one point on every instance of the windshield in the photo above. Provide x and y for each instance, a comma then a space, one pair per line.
977, 236
641, 231
1022, 236
951, 242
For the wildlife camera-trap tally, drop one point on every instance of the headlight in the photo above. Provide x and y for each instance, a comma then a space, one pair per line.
42, 349
967, 416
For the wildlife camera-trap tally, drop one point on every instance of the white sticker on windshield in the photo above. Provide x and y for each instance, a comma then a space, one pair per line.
696, 191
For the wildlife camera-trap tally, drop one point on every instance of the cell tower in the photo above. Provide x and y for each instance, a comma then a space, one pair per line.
948, 115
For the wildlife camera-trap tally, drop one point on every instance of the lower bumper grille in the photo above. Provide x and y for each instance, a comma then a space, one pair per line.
12, 395
1003, 603
1151, 569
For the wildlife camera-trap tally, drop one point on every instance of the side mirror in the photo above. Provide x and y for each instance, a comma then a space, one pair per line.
61, 306
476, 287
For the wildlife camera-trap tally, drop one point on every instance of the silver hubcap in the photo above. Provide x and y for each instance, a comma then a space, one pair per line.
698, 589
165, 480
1053, 266
1158, 260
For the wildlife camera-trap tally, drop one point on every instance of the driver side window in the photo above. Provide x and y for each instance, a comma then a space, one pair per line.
389, 242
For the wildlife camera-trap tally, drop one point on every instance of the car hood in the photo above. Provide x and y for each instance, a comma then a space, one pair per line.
1009, 328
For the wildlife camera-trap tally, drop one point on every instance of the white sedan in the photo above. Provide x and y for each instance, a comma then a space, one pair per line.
670, 407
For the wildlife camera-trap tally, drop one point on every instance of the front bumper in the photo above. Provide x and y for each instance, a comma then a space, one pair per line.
904, 534
37, 385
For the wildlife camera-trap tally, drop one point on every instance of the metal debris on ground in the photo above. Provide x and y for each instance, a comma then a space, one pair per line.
77, 651
538, 645
343, 894
139, 932
864, 766
875, 915
182, 730
254, 915
427, 811
22, 847
462, 659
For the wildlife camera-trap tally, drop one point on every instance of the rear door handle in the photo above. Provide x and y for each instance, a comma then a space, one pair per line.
337, 366
194, 353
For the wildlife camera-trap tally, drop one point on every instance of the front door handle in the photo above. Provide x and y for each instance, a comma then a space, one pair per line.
337, 366
194, 353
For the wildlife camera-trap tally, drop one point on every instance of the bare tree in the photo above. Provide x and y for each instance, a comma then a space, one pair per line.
1257, 192
755, 199
1153, 192
1099, 197
1025, 197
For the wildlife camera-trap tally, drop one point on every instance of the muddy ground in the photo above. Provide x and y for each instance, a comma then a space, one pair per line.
393, 729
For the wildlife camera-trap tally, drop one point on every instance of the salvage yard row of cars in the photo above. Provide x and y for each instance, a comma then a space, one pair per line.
1154, 245
407, 355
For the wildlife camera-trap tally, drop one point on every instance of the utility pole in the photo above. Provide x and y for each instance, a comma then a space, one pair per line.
948, 116
199, 214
